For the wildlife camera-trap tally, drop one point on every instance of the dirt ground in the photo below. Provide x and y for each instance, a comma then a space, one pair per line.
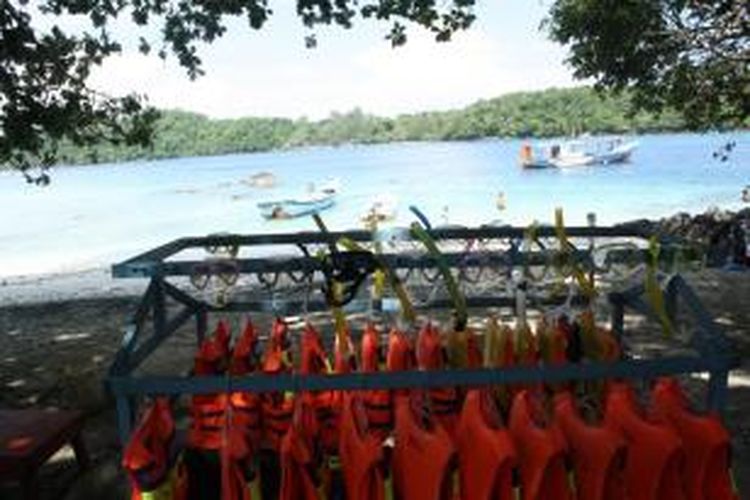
55, 354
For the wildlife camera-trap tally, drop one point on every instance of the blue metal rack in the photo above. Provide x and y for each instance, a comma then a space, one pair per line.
503, 249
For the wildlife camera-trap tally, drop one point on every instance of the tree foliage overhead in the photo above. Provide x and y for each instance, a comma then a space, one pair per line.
44, 97
691, 55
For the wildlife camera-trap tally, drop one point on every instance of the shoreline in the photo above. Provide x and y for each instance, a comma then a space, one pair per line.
86, 284
716, 229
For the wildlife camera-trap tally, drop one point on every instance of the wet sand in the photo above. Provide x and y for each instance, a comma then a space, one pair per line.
58, 336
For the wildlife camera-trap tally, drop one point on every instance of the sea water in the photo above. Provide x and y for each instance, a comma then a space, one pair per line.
92, 216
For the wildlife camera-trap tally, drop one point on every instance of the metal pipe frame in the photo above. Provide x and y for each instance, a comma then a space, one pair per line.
153, 262
714, 353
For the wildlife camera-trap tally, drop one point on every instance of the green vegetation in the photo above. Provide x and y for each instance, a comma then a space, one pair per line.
553, 112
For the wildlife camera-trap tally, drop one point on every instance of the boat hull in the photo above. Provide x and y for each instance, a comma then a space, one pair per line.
291, 209
618, 154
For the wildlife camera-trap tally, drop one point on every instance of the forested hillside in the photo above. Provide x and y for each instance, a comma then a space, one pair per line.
553, 112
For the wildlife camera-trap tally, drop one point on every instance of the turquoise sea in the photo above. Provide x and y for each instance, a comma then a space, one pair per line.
93, 216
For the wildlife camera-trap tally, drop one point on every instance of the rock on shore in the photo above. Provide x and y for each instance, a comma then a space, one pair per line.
724, 235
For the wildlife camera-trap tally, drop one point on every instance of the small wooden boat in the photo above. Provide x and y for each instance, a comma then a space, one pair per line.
293, 208
315, 201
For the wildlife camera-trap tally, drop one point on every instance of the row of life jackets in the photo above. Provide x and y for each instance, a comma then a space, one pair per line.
447, 443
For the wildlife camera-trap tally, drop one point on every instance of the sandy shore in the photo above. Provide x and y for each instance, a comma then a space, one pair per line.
58, 335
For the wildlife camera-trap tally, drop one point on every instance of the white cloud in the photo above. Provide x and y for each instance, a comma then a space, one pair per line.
422, 75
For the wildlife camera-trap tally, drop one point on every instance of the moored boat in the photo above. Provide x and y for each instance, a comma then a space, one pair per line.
577, 153
315, 201
296, 207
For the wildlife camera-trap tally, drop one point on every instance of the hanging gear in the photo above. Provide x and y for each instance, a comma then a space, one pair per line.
400, 352
377, 401
239, 477
223, 337
212, 355
244, 358
424, 458
443, 400
486, 454
400, 356
276, 409
654, 465
706, 441
474, 357
361, 453
541, 453
300, 457
313, 360
150, 460
598, 453
246, 405
207, 410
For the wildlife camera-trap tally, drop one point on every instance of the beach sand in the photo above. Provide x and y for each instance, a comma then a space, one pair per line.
58, 336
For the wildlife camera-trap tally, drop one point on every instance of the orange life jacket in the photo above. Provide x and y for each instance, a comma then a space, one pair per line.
147, 456
557, 334
344, 362
276, 409
400, 352
503, 356
400, 356
654, 465
431, 356
299, 455
706, 442
598, 453
313, 361
207, 411
243, 359
541, 453
473, 352
378, 401
424, 457
361, 453
223, 336
246, 405
554, 339
210, 358
486, 454
237, 465
526, 351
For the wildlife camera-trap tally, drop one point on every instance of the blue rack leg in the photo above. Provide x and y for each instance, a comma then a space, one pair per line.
124, 418
718, 387
160, 311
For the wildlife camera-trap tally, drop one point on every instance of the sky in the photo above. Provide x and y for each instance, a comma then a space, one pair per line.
271, 73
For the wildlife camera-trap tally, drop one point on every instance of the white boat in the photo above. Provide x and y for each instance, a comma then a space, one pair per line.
316, 200
578, 153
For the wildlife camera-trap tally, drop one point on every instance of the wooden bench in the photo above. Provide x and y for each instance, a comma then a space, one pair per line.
28, 438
